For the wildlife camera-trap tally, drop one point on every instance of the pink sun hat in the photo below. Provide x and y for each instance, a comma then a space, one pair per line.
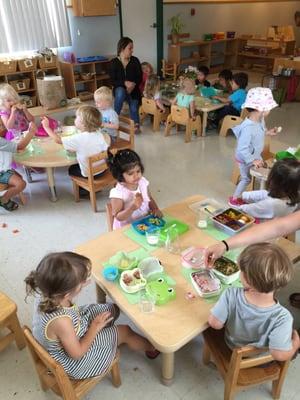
260, 99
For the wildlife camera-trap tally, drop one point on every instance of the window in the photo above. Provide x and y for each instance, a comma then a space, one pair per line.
33, 24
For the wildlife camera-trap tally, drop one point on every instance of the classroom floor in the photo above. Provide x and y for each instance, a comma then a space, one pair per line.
175, 170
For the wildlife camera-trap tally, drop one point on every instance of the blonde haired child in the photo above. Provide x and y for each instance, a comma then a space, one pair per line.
83, 339
251, 315
147, 71
15, 116
152, 91
110, 120
8, 176
88, 142
185, 98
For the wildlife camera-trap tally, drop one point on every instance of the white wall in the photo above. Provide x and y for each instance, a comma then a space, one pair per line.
242, 18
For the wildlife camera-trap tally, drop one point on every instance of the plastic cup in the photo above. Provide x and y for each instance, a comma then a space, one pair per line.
147, 302
201, 220
152, 236
173, 242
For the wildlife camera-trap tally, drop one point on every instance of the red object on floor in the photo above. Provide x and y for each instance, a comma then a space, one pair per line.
152, 354
292, 88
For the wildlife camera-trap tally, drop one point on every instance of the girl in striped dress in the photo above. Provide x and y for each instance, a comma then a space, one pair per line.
83, 340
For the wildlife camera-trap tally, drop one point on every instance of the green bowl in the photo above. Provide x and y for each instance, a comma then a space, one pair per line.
281, 155
123, 261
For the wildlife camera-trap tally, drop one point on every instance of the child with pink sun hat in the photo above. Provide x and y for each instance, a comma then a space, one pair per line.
250, 136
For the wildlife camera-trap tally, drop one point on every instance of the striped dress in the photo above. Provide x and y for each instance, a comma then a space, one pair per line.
102, 352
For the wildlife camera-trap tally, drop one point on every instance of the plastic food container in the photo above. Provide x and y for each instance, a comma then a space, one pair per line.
110, 273
150, 266
226, 270
193, 258
209, 206
132, 281
232, 221
153, 236
161, 291
141, 226
205, 284
123, 261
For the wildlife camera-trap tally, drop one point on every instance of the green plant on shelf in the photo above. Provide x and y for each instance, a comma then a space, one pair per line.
176, 24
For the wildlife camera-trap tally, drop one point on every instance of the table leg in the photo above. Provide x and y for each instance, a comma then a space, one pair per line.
204, 123
101, 295
167, 368
51, 183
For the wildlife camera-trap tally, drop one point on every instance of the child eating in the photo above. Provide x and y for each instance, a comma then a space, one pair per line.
185, 98
224, 81
131, 198
252, 315
202, 74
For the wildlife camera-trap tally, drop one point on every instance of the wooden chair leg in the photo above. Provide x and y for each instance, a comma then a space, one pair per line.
277, 385
188, 133
14, 325
198, 121
156, 122
93, 200
168, 126
115, 375
206, 354
22, 198
76, 192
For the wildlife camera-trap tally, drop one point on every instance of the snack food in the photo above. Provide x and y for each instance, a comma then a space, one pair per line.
205, 283
225, 266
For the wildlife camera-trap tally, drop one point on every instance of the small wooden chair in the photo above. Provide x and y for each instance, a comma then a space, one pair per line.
149, 107
21, 195
181, 116
230, 121
125, 139
243, 366
92, 184
9, 320
52, 375
169, 70
109, 217
266, 155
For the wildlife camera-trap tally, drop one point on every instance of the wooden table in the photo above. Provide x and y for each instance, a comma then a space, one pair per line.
173, 325
202, 104
52, 156
40, 111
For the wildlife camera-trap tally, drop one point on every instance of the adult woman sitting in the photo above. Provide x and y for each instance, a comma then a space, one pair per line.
126, 75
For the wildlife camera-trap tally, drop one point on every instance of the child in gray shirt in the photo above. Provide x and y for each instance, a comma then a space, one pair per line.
252, 315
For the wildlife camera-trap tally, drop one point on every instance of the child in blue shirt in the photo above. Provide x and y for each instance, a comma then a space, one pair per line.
250, 136
233, 103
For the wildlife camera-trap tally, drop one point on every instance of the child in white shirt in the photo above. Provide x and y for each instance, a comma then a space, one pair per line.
88, 142
282, 196
110, 120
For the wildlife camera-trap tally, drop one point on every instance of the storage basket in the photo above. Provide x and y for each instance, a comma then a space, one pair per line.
20, 84
8, 66
29, 101
47, 61
27, 64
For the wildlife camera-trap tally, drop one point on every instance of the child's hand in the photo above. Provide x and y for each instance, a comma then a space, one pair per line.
32, 129
138, 201
45, 122
101, 321
14, 108
258, 163
274, 131
157, 212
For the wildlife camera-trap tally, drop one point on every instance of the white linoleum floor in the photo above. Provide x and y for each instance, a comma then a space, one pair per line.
175, 170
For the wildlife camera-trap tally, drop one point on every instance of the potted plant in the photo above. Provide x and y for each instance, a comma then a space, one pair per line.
176, 27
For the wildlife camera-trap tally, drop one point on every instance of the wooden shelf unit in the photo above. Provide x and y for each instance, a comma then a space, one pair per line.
252, 59
215, 54
75, 86
31, 91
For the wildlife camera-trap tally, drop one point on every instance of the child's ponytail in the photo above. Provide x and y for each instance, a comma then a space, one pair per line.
47, 305
31, 283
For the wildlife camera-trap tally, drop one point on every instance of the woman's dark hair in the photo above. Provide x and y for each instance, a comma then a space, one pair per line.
284, 181
123, 43
56, 275
123, 161
226, 74
241, 79
204, 69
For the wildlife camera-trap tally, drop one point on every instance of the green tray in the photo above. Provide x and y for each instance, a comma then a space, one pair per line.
181, 228
281, 155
